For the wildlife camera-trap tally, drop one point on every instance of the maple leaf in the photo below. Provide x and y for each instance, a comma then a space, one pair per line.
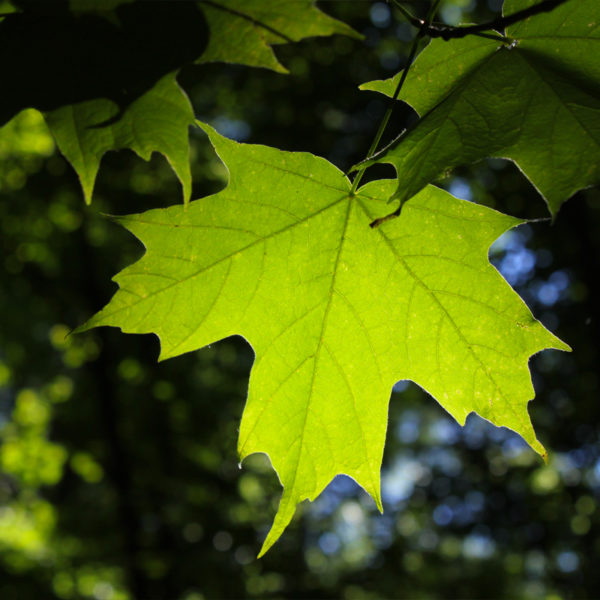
110, 82
335, 311
156, 121
244, 33
535, 101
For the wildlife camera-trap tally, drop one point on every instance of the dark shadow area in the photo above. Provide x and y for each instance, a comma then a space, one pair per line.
52, 57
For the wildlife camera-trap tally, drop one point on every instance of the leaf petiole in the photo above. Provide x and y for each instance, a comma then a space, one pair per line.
388, 112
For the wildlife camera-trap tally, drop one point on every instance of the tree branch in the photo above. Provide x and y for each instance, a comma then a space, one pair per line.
448, 32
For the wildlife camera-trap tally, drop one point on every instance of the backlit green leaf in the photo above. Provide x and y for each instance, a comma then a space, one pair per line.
535, 101
158, 121
335, 311
243, 32
114, 66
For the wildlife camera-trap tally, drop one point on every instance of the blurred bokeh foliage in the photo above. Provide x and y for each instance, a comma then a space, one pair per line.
119, 477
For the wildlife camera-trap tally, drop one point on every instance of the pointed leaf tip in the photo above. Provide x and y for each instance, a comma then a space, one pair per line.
84, 132
285, 512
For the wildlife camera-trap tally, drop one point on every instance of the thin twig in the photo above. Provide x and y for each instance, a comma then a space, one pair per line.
392, 102
432, 10
388, 113
410, 17
448, 32
419, 23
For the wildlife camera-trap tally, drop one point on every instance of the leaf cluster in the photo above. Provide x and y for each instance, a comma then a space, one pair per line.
336, 311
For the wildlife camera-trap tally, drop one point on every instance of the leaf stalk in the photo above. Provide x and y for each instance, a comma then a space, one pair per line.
388, 113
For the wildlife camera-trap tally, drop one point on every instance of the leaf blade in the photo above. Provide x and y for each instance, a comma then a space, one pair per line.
158, 121
335, 311
245, 34
536, 103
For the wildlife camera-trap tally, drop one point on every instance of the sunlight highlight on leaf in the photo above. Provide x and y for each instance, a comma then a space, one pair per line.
335, 311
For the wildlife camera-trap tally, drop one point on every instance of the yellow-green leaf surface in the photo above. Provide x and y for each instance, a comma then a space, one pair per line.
158, 121
335, 311
243, 32
535, 101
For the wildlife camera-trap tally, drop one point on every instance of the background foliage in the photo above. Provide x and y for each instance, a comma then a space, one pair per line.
119, 476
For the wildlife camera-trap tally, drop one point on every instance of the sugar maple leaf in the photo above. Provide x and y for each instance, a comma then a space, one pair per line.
535, 101
335, 311
158, 121
110, 82
244, 32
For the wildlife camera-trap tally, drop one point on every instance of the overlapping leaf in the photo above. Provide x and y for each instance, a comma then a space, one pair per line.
103, 70
535, 100
157, 121
335, 311
244, 32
